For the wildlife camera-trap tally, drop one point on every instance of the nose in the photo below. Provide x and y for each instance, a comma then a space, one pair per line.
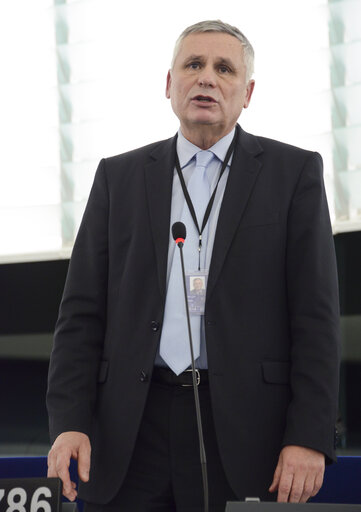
207, 77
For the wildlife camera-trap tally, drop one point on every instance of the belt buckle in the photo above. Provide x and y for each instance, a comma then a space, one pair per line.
198, 378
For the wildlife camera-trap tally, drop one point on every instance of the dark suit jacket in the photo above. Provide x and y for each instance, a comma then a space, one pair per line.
271, 312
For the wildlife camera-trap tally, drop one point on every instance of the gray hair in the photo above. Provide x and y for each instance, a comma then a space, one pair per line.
219, 26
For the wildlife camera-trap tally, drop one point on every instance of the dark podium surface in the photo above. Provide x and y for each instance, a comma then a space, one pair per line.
290, 507
69, 507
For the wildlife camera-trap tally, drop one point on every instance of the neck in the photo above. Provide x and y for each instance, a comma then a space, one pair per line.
203, 136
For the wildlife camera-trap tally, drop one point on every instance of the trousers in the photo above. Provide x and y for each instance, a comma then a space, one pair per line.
165, 471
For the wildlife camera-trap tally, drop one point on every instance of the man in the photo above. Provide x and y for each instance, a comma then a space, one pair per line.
198, 287
197, 297
267, 342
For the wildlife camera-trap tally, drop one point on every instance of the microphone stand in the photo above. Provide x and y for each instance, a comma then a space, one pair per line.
196, 394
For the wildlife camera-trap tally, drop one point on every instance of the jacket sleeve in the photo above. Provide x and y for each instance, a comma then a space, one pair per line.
314, 315
80, 329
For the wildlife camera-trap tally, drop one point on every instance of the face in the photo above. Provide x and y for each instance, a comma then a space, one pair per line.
197, 284
207, 85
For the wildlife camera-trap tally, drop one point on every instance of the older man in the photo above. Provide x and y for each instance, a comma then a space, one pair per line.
266, 344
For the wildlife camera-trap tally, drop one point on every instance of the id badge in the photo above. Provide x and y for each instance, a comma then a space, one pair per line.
196, 283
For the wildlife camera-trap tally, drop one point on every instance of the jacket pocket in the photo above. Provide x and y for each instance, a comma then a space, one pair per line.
103, 371
276, 372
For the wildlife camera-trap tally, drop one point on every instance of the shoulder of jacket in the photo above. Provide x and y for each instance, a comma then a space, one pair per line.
284, 148
136, 155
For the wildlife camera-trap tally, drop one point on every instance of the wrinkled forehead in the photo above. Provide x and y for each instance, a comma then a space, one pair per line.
218, 45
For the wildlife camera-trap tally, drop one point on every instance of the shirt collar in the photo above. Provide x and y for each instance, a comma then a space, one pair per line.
186, 150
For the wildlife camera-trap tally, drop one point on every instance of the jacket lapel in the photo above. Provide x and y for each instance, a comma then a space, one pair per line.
159, 180
242, 177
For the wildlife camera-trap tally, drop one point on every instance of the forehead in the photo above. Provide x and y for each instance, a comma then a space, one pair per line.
216, 45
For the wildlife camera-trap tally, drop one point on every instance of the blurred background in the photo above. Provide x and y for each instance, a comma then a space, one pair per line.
85, 79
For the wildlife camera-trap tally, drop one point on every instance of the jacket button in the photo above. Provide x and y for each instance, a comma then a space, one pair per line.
143, 376
154, 325
210, 322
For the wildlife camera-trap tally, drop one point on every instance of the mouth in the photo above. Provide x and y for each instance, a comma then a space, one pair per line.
204, 99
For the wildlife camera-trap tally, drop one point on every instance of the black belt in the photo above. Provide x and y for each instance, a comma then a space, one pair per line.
166, 376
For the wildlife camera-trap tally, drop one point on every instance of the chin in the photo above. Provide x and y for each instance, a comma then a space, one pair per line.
203, 120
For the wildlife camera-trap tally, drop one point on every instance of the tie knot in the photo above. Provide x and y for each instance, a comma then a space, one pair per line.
203, 158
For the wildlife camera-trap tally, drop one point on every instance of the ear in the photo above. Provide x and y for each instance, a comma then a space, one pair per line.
249, 92
169, 82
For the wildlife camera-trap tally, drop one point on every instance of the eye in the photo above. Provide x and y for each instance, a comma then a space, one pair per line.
224, 69
194, 65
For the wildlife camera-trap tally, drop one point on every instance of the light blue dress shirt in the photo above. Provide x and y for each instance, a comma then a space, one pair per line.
186, 154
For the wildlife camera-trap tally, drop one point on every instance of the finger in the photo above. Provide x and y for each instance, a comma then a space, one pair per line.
52, 464
297, 488
72, 494
51, 467
68, 487
308, 488
84, 461
62, 471
284, 487
318, 482
53, 473
276, 478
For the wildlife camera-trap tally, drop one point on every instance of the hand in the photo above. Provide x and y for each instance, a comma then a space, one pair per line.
67, 445
298, 475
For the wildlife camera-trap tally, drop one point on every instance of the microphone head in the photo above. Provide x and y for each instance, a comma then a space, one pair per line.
179, 230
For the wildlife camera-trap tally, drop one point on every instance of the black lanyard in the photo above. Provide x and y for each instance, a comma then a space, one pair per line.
211, 201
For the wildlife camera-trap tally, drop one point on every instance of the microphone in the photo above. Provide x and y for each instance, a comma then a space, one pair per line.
179, 233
